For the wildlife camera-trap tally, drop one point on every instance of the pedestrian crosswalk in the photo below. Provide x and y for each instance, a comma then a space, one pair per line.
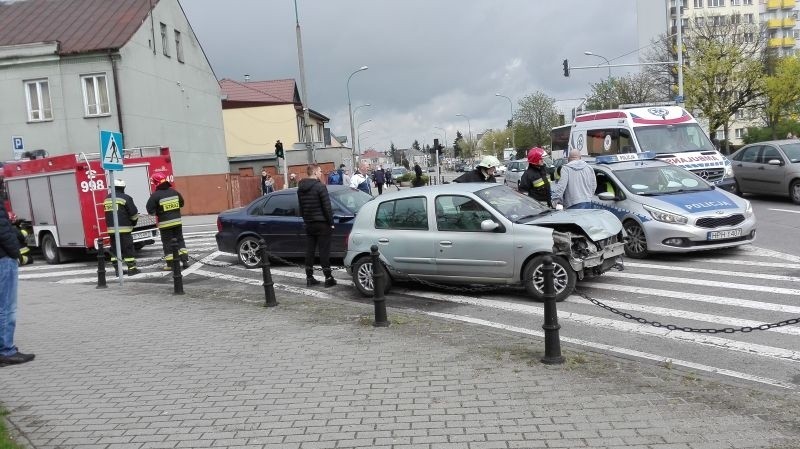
743, 287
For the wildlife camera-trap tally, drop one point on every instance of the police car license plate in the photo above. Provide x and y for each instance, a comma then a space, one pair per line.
142, 235
719, 235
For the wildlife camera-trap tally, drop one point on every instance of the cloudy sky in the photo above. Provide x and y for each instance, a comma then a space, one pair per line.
428, 60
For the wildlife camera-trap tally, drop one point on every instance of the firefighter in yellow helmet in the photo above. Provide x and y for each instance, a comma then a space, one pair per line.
127, 216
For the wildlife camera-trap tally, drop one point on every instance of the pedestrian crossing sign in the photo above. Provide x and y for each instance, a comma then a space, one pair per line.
111, 150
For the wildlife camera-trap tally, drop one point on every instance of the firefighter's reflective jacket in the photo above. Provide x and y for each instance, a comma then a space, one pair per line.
25, 257
165, 203
127, 214
535, 183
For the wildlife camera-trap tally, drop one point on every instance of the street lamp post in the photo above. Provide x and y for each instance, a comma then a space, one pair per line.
350, 111
588, 53
303, 91
511, 105
469, 128
359, 139
438, 163
359, 142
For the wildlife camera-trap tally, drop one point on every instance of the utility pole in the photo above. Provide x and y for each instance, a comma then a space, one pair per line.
304, 90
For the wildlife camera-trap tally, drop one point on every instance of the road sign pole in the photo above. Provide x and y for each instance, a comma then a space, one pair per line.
118, 247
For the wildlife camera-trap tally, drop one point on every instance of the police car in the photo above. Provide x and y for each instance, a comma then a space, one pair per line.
665, 208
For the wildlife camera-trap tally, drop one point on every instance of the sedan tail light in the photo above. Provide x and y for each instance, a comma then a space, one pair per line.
219, 225
346, 239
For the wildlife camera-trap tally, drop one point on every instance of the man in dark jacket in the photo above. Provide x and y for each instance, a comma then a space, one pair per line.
315, 208
484, 171
379, 177
166, 203
127, 216
9, 253
534, 182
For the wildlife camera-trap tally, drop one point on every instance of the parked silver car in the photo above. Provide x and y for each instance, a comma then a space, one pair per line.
477, 233
771, 167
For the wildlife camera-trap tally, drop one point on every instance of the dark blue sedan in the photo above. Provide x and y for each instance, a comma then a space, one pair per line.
275, 218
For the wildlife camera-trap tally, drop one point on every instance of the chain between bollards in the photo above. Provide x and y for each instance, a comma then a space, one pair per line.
552, 344
101, 265
177, 276
266, 274
378, 288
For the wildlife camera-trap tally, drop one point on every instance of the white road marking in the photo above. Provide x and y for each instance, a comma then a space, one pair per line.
616, 349
694, 297
786, 210
259, 282
752, 263
200, 225
763, 252
204, 233
58, 273
774, 277
623, 326
93, 280
704, 283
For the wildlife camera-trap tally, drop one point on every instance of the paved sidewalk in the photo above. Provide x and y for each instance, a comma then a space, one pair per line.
215, 369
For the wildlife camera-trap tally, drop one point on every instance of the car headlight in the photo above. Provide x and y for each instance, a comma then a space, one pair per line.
666, 217
748, 211
728, 169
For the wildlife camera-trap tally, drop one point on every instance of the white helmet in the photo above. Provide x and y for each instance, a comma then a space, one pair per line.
489, 162
119, 183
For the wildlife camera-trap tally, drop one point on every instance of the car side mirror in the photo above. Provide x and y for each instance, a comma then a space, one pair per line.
343, 218
489, 225
775, 162
607, 196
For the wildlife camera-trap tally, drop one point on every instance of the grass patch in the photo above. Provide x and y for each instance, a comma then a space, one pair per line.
5, 439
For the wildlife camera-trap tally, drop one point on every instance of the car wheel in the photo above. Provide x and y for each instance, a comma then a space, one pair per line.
794, 191
564, 278
248, 252
736, 188
362, 277
50, 250
636, 245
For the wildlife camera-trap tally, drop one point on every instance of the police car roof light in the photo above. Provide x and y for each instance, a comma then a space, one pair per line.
625, 157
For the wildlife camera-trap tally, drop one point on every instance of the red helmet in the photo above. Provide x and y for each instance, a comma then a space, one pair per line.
535, 155
158, 178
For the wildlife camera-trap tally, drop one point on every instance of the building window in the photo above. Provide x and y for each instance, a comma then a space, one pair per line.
716, 3
740, 132
739, 114
95, 95
736, 2
164, 40
717, 20
735, 19
699, 21
178, 46
748, 18
720, 134
747, 2
748, 37
698, 3
38, 95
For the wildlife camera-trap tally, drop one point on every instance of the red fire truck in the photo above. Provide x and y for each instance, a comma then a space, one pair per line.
61, 198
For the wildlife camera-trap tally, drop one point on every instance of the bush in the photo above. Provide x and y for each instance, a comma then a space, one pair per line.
409, 177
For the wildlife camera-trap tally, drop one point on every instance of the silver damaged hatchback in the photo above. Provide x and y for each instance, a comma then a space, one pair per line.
480, 233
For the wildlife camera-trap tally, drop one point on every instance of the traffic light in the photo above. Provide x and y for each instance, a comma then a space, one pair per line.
566, 67
279, 149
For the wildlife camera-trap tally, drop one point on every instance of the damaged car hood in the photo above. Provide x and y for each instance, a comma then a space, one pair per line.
598, 224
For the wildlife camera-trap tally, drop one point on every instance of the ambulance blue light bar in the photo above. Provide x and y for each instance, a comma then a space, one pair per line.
625, 157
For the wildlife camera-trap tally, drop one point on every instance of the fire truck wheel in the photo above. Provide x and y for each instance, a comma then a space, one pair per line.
52, 254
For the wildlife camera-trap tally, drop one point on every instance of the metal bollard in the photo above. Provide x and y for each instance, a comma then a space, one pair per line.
177, 276
101, 266
378, 288
266, 274
552, 344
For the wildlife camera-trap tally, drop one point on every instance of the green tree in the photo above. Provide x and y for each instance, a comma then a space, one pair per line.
725, 69
612, 92
493, 142
781, 93
459, 145
415, 145
394, 154
535, 116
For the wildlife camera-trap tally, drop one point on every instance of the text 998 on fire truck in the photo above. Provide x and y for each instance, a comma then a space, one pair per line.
60, 198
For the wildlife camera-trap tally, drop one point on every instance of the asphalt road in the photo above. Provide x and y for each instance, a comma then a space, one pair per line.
747, 286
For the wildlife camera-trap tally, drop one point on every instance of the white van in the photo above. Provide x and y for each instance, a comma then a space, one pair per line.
669, 131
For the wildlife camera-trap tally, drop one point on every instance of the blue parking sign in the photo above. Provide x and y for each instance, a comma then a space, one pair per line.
16, 142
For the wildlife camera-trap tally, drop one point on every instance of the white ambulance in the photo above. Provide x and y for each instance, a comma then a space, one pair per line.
669, 131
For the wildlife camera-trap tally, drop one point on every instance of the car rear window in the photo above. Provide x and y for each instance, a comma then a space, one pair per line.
351, 199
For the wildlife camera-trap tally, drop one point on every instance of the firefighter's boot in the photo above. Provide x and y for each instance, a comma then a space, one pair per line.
185, 261
133, 270
329, 280
310, 280
167, 265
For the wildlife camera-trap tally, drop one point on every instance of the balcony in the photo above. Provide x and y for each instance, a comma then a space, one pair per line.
788, 42
789, 22
774, 23
788, 4
774, 4
775, 42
